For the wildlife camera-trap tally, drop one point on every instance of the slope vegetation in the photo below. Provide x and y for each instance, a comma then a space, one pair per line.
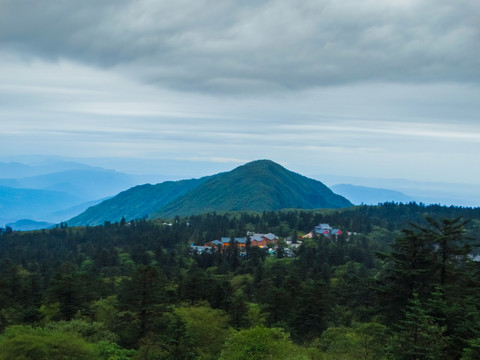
134, 203
257, 186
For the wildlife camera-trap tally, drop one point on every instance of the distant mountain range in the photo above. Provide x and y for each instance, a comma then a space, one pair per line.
54, 192
257, 186
32, 203
427, 192
28, 225
363, 195
53, 189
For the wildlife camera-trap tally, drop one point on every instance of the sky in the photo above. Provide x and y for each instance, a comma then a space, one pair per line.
362, 88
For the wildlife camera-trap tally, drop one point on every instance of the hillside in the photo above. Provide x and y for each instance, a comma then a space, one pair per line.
257, 186
134, 203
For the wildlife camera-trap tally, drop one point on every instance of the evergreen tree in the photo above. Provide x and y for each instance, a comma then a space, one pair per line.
419, 335
144, 297
68, 289
448, 237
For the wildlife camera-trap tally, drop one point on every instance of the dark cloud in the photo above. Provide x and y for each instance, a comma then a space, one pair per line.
253, 46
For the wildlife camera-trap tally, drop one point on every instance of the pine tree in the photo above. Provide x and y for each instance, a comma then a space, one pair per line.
408, 268
448, 237
143, 295
419, 335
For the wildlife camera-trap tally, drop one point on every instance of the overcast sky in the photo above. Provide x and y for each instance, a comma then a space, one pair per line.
369, 88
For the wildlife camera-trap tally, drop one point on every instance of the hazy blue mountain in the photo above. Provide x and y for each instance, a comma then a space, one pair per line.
59, 174
33, 204
45, 165
257, 186
10, 170
369, 195
88, 184
427, 192
68, 213
54, 191
137, 202
11, 183
28, 225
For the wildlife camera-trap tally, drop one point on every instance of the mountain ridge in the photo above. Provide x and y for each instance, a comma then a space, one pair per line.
44, 192
256, 186
136, 202
16, 204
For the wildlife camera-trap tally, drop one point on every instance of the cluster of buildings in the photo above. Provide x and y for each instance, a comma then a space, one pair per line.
260, 240
325, 230
264, 240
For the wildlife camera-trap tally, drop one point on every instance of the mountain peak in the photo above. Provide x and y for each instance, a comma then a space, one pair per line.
260, 185
256, 186
259, 166
262, 162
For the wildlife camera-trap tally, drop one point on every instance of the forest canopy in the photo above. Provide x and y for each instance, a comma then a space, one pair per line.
400, 282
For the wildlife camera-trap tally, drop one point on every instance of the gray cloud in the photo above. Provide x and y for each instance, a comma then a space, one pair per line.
253, 46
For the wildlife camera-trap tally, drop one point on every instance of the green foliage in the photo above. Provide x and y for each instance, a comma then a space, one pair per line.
135, 203
27, 343
89, 331
420, 335
351, 291
106, 312
68, 288
141, 298
254, 315
208, 326
472, 352
134, 285
105, 350
363, 341
171, 342
261, 343
448, 235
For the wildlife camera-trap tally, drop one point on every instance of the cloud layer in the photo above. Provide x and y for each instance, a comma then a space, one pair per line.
383, 88
383, 130
253, 46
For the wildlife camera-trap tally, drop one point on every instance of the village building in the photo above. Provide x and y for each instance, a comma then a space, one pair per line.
240, 242
200, 249
325, 230
260, 240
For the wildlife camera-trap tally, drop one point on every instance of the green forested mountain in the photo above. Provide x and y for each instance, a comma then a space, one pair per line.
135, 203
257, 186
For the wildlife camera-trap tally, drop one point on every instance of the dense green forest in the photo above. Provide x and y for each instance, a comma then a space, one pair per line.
401, 282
